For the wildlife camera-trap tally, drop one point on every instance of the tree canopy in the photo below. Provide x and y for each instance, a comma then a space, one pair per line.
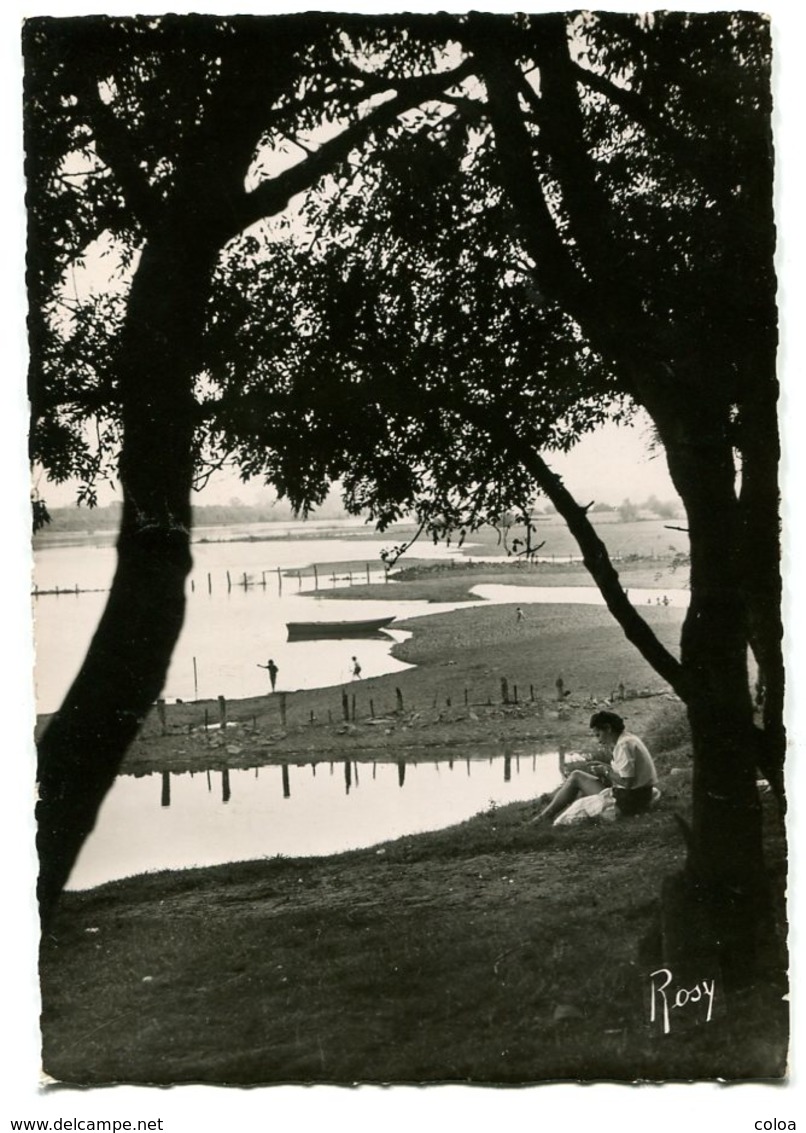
417, 254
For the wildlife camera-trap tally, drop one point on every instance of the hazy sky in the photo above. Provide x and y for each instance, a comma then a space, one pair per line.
608, 466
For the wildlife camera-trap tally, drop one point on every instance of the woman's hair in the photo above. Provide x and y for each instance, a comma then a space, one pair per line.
610, 720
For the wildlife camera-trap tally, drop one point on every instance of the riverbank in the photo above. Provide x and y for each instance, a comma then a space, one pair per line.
479, 677
490, 952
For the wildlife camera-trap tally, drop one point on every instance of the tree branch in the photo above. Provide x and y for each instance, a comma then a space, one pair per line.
113, 146
272, 196
604, 574
594, 552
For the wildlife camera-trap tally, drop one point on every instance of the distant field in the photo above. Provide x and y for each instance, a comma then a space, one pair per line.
648, 538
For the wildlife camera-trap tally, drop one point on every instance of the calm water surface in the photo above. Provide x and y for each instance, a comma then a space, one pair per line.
175, 821
230, 630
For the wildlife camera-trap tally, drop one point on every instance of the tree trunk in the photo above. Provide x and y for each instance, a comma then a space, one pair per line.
124, 670
725, 853
759, 504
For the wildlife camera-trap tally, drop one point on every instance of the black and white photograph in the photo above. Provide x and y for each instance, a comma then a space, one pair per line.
408, 563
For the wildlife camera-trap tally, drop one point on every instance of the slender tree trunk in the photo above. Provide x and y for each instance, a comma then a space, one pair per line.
124, 670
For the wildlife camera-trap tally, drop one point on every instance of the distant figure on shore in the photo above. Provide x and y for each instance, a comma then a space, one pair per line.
273, 671
356, 669
627, 770
518, 614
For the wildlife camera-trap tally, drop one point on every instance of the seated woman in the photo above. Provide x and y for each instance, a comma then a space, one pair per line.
627, 768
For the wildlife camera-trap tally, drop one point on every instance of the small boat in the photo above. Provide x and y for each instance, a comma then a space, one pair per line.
367, 627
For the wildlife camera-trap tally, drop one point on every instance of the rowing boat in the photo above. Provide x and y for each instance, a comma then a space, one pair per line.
364, 628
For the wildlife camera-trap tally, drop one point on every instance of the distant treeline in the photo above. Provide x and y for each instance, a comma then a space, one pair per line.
107, 518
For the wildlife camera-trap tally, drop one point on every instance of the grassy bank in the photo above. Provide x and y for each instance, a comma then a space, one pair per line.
491, 952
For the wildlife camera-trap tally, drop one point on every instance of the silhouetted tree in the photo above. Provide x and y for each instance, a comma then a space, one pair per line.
576, 217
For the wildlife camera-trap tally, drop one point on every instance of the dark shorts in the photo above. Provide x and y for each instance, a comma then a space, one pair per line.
635, 801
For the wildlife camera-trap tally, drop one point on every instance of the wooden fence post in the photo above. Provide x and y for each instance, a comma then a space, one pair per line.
222, 711
504, 691
399, 696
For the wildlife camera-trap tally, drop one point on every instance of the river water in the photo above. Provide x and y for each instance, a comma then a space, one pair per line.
179, 820
176, 821
230, 629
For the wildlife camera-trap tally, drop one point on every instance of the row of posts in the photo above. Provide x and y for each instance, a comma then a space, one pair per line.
348, 712
245, 581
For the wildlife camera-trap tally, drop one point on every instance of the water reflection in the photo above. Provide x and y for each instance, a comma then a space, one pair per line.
212, 817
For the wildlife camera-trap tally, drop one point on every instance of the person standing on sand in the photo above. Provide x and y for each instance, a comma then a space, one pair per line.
273, 671
356, 669
628, 769
518, 614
